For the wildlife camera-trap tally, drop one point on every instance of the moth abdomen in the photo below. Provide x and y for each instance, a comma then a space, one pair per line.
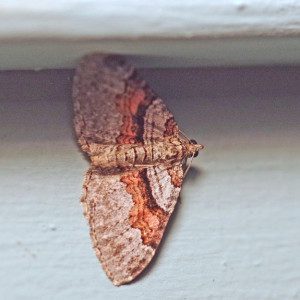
129, 155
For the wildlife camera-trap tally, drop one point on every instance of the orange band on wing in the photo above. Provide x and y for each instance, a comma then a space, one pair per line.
145, 214
132, 107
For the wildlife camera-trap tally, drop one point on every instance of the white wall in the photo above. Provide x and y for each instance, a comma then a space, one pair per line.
142, 18
48, 34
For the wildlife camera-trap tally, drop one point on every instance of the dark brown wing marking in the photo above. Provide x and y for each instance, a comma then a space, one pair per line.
113, 104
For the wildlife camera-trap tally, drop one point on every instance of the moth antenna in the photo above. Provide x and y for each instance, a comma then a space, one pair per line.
184, 135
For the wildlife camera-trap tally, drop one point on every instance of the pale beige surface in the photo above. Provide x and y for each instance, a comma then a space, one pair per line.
235, 233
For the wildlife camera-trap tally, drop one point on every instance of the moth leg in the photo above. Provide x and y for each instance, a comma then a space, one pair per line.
144, 166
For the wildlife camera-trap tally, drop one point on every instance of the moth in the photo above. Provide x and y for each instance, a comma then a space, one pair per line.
138, 160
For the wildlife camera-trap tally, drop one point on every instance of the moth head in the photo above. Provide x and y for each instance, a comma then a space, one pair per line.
196, 147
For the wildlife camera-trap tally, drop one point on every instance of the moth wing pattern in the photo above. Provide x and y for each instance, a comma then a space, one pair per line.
127, 214
114, 105
127, 209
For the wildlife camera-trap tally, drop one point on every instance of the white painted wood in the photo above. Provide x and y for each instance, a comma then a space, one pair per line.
141, 18
235, 233
47, 34
180, 53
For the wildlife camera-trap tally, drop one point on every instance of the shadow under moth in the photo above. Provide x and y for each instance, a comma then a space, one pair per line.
138, 162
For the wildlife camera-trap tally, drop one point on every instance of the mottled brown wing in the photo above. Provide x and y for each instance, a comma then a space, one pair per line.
114, 105
128, 214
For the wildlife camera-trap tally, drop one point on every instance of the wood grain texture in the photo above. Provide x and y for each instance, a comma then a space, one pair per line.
236, 232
